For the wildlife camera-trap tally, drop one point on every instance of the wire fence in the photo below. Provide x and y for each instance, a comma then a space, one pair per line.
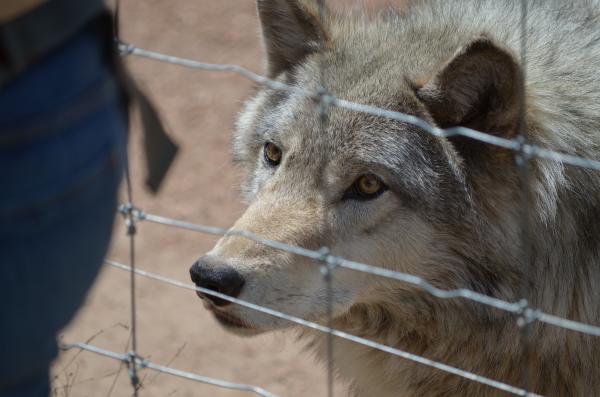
525, 315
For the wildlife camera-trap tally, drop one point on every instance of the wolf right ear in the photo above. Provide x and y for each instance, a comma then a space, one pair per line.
291, 30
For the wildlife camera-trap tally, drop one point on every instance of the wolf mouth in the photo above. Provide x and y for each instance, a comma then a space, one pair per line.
226, 319
230, 320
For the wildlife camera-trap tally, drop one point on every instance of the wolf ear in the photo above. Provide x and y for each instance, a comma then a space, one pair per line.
479, 88
291, 30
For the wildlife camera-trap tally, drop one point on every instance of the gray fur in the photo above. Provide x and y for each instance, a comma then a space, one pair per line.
459, 199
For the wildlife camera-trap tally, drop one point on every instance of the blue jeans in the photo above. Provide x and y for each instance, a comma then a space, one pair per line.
62, 141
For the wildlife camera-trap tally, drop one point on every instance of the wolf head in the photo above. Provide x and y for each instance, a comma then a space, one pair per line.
370, 189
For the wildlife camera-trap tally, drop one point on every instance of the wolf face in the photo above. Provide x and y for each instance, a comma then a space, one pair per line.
371, 189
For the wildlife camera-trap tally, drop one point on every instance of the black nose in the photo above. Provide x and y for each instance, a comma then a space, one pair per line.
210, 273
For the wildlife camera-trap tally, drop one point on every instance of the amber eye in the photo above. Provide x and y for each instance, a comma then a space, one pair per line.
366, 187
272, 154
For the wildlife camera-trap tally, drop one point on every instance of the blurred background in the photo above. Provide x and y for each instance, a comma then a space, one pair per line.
199, 110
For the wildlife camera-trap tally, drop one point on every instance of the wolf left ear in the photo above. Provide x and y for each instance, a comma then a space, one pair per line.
478, 88
291, 30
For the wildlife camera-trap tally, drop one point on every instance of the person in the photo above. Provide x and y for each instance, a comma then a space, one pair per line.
63, 124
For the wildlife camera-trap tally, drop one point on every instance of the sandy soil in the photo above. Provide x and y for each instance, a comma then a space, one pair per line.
173, 328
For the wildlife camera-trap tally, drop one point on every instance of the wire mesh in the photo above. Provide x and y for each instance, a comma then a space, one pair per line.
524, 152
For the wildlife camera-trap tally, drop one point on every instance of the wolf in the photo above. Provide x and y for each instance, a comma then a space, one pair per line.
445, 208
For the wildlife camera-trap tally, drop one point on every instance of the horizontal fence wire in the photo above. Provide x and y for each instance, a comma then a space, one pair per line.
330, 100
519, 308
341, 334
141, 363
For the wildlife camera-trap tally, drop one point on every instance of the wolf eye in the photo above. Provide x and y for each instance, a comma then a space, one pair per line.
272, 154
366, 187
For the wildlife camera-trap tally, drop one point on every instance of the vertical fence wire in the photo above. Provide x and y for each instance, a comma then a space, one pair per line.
127, 211
323, 109
326, 271
131, 232
522, 158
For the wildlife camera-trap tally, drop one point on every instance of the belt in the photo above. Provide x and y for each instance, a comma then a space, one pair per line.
28, 38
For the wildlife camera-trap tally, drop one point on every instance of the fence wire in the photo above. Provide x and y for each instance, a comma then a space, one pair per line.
328, 267
522, 160
142, 363
526, 315
127, 212
341, 334
517, 308
514, 144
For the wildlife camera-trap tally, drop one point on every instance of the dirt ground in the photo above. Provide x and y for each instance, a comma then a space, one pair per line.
173, 328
